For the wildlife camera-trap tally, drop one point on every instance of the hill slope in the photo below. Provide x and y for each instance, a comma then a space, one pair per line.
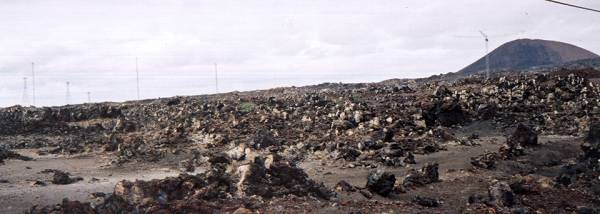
527, 53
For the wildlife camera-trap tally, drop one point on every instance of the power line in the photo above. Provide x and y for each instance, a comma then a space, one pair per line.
25, 96
487, 54
137, 78
33, 81
575, 6
216, 79
68, 95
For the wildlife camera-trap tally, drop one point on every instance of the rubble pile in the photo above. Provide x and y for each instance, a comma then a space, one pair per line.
251, 141
381, 123
227, 185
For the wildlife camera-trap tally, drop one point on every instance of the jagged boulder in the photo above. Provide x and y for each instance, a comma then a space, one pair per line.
381, 182
272, 177
63, 178
445, 113
524, 136
591, 146
501, 194
426, 175
486, 160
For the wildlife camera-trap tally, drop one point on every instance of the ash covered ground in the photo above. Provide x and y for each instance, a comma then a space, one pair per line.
513, 143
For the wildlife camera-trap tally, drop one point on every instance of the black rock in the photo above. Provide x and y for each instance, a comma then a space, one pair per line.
219, 158
426, 201
486, 161
366, 193
345, 186
594, 133
410, 159
523, 210
445, 113
586, 210
477, 199
63, 178
524, 136
426, 175
381, 182
501, 194
262, 139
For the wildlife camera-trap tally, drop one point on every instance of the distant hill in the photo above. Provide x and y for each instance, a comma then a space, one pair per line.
525, 54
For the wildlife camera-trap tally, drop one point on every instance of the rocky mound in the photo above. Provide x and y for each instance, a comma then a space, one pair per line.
369, 124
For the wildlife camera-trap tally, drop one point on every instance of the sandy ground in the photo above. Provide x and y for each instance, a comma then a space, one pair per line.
19, 194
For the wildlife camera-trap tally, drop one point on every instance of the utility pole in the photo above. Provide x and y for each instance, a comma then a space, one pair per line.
216, 79
89, 97
137, 78
33, 81
25, 101
68, 95
487, 55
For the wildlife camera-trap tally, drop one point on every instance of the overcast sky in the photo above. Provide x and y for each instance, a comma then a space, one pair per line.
257, 44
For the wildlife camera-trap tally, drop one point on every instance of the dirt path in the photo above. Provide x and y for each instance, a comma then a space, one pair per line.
19, 194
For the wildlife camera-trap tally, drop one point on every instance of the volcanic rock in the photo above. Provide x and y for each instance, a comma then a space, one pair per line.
344, 186
63, 178
426, 175
501, 194
426, 201
524, 136
5, 153
486, 161
262, 139
272, 176
381, 182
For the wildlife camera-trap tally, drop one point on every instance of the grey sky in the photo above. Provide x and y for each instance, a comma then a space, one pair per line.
258, 43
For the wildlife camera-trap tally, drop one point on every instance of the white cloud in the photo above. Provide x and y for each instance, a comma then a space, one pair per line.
257, 43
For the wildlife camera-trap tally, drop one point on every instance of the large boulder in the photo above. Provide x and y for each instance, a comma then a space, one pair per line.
523, 135
63, 178
443, 112
591, 147
426, 175
501, 194
486, 160
272, 176
381, 182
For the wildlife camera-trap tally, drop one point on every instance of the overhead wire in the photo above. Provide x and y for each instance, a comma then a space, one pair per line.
572, 5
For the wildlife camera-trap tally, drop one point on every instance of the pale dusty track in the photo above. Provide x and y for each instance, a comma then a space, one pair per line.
19, 195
